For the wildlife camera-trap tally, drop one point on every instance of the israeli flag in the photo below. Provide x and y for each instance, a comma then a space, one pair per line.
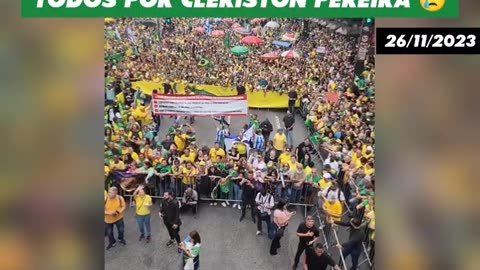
230, 141
248, 134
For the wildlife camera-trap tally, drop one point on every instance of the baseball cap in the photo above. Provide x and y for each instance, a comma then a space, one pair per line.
327, 176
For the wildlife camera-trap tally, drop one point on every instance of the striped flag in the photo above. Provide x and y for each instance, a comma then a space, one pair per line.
131, 36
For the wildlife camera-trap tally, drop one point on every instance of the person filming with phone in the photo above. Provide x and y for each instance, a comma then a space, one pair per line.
281, 217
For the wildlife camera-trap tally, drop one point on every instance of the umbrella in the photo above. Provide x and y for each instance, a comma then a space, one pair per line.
239, 50
242, 31
290, 54
282, 44
218, 33
332, 97
257, 20
252, 40
236, 25
289, 37
199, 29
256, 30
148, 23
270, 56
228, 21
272, 24
109, 20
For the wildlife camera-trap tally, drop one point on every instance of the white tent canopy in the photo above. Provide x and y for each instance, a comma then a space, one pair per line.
272, 24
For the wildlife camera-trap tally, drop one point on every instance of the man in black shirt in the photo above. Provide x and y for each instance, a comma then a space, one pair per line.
248, 197
170, 213
353, 246
241, 89
292, 98
167, 88
307, 234
167, 142
303, 148
267, 129
318, 259
289, 122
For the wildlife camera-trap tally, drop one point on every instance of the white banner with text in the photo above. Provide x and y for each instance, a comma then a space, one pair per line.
197, 105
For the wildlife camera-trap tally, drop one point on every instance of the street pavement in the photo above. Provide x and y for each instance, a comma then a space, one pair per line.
226, 243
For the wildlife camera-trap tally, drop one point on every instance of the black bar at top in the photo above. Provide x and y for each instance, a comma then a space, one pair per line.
438, 40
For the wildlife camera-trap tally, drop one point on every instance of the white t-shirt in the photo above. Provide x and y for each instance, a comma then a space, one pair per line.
337, 194
265, 203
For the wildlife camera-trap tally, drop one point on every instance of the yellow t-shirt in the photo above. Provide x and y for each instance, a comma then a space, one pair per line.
293, 166
112, 205
147, 154
279, 141
324, 184
308, 170
369, 172
141, 205
134, 156
118, 166
190, 157
335, 208
179, 142
285, 158
107, 170
189, 178
214, 153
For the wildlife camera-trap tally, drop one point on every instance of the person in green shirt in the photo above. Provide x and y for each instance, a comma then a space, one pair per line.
191, 134
312, 186
224, 190
190, 248
163, 171
254, 121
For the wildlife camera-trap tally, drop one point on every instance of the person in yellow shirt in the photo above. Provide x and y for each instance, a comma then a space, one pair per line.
180, 140
285, 157
188, 156
114, 208
143, 202
333, 208
189, 173
293, 163
147, 152
369, 170
117, 164
279, 140
325, 182
217, 151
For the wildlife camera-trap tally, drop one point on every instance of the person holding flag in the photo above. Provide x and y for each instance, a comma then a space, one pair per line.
222, 132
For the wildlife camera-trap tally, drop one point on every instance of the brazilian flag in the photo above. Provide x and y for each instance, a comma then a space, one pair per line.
205, 63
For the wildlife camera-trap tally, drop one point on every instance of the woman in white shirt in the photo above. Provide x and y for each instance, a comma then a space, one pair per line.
281, 217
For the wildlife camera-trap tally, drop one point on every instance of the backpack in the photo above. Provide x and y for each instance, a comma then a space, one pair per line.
338, 192
119, 200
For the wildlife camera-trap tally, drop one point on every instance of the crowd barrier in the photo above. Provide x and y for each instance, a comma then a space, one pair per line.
329, 232
208, 188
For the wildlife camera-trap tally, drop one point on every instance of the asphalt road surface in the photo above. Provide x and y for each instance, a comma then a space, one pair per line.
226, 243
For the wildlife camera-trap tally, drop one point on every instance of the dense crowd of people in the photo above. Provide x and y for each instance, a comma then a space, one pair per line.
266, 172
